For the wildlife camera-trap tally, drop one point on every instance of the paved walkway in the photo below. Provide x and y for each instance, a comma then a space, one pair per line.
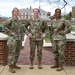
45, 71
47, 57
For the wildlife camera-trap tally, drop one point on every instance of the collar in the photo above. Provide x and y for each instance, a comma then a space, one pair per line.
36, 19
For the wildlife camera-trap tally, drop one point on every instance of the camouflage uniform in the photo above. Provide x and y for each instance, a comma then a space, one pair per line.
14, 42
36, 27
59, 40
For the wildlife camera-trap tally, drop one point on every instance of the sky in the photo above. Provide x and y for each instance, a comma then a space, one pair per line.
6, 6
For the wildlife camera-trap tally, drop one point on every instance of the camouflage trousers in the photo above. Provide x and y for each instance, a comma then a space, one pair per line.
33, 45
14, 47
59, 47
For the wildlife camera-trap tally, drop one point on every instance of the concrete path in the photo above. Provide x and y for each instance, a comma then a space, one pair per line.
68, 70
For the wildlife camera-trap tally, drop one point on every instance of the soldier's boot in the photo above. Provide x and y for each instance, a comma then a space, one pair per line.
60, 68
56, 65
11, 69
16, 67
39, 64
31, 64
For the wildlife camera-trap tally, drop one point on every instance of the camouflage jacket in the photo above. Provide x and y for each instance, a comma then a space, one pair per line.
36, 27
15, 26
60, 25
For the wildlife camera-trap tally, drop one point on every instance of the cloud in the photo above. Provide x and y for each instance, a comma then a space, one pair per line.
6, 6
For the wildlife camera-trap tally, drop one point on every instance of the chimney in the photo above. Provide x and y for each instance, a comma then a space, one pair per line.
30, 7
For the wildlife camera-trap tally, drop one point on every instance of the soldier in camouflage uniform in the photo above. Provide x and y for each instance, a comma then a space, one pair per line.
59, 28
36, 35
13, 28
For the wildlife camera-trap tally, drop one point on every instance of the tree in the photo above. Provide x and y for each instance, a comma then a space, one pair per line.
68, 16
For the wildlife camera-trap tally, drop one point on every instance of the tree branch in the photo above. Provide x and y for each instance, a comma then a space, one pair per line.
64, 4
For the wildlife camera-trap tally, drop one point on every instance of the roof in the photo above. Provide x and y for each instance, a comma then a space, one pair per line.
45, 17
30, 11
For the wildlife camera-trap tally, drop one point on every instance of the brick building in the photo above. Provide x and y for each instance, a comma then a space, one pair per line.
28, 13
73, 13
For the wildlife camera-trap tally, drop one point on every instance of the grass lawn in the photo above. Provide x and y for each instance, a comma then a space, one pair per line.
47, 38
0, 24
73, 28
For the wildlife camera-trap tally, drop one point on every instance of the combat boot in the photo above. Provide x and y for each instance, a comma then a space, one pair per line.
31, 64
39, 64
60, 68
16, 67
11, 69
56, 65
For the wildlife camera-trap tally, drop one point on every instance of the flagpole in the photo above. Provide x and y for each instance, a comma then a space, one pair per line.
39, 4
39, 7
